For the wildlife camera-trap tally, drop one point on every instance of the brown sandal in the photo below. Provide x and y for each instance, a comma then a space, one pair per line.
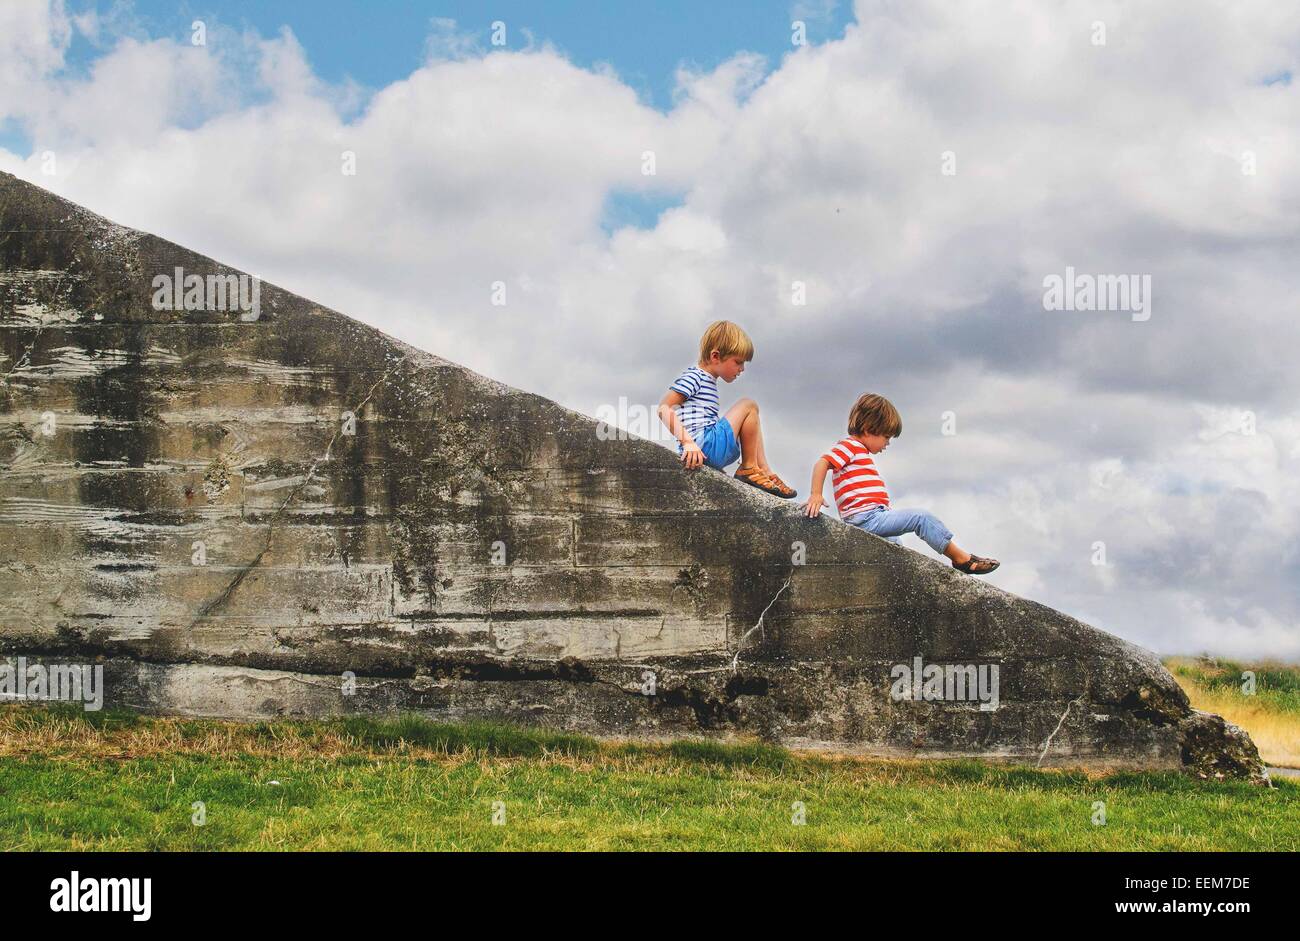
768, 483
977, 565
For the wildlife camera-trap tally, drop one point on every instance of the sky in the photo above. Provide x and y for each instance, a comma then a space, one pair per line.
881, 207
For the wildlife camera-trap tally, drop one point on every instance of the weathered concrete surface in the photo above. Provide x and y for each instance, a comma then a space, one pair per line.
375, 553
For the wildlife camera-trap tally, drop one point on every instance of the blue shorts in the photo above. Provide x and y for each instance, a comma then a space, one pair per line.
719, 444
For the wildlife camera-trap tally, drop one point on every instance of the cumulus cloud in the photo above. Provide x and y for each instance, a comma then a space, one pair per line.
920, 176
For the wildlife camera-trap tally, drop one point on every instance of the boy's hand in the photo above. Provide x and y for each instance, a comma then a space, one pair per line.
814, 505
692, 456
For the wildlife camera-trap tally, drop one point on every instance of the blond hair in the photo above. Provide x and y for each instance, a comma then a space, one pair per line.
728, 339
874, 414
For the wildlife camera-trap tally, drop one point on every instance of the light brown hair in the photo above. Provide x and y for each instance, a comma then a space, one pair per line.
874, 414
728, 339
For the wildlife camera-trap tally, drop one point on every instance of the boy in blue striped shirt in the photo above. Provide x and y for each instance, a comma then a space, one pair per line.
690, 411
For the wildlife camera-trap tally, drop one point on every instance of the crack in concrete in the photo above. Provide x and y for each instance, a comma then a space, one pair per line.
1061, 722
22, 361
491, 622
293, 679
229, 590
735, 661
25, 359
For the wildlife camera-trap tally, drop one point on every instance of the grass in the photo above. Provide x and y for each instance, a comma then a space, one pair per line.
1271, 715
118, 781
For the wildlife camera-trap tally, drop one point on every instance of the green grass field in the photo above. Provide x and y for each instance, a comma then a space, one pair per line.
113, 781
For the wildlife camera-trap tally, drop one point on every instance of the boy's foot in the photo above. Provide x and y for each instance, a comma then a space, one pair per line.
977, 566
766, 481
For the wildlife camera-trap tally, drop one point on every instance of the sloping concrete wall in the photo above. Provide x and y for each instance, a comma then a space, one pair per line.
464, 549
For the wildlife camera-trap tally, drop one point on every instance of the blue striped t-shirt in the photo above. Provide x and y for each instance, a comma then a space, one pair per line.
700, 410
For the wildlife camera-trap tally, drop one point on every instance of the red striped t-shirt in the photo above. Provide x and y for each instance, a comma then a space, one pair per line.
854, 478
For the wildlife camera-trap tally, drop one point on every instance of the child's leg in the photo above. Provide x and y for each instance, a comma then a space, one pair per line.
754, 470
897, 522
743, 417
889, 523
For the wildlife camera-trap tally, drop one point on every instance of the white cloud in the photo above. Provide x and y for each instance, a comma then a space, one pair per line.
33, 40
445, 41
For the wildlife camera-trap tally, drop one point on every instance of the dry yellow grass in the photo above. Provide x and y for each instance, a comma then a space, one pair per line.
26, 731
66, 737
1275, 729
1277, 734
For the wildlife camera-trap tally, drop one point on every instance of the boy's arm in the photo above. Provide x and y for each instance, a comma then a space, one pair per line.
815, 501
692, 456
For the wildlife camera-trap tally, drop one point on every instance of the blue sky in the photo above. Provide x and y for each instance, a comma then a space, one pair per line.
379, 41
375, 43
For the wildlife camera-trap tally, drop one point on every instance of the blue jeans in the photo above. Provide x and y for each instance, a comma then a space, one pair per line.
891, 524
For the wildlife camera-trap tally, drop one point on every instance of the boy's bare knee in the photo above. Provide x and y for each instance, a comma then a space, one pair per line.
748, 405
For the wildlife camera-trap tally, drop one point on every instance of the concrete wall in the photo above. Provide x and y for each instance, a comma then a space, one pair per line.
375, 553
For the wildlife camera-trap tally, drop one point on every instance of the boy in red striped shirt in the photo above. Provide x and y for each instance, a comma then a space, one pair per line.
860, 494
